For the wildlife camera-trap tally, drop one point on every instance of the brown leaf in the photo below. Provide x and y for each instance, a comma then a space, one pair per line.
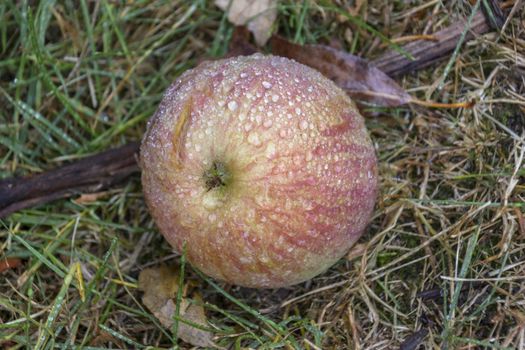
355, 75
240, 44
160, 286
257, 15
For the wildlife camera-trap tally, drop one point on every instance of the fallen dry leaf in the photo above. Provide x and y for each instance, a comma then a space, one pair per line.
355, 75
257, 15
240, 44
160, 286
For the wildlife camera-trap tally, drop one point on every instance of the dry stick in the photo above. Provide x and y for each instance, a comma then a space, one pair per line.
90, 174
426, 52
109, 168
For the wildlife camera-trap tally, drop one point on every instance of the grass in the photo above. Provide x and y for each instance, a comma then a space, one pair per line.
78, 77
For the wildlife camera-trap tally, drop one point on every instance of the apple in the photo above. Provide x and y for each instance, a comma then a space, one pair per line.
261, 167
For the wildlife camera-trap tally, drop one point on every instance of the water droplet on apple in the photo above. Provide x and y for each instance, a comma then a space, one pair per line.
212, 217
244, 75
267, 123
298, 110
248, 126
232, 106
210, 200
253, 138
266, 84
309, 156
275, 98
303, 125
270, 150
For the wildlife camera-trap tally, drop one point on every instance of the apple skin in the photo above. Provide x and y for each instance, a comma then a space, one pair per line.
262, 167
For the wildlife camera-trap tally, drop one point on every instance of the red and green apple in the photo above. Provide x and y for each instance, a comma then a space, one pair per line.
261, 167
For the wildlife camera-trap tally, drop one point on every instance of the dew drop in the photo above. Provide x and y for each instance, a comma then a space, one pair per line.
298, 110
210, 201
248, 126
266, 84
270, 150
244, 75
212, 217
253, 138
282, 133
275, 98
303, 125
309, 156
267, 123
232, 106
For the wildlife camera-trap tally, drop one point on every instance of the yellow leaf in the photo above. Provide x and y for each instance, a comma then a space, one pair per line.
160, 286
257, 15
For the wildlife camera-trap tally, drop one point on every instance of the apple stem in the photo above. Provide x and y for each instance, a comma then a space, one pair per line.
217, 176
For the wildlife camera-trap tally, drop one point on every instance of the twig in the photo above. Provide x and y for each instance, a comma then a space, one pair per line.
413, 341
427, 52
90, 174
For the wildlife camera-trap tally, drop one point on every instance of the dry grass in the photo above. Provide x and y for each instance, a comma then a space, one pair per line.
445, 252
